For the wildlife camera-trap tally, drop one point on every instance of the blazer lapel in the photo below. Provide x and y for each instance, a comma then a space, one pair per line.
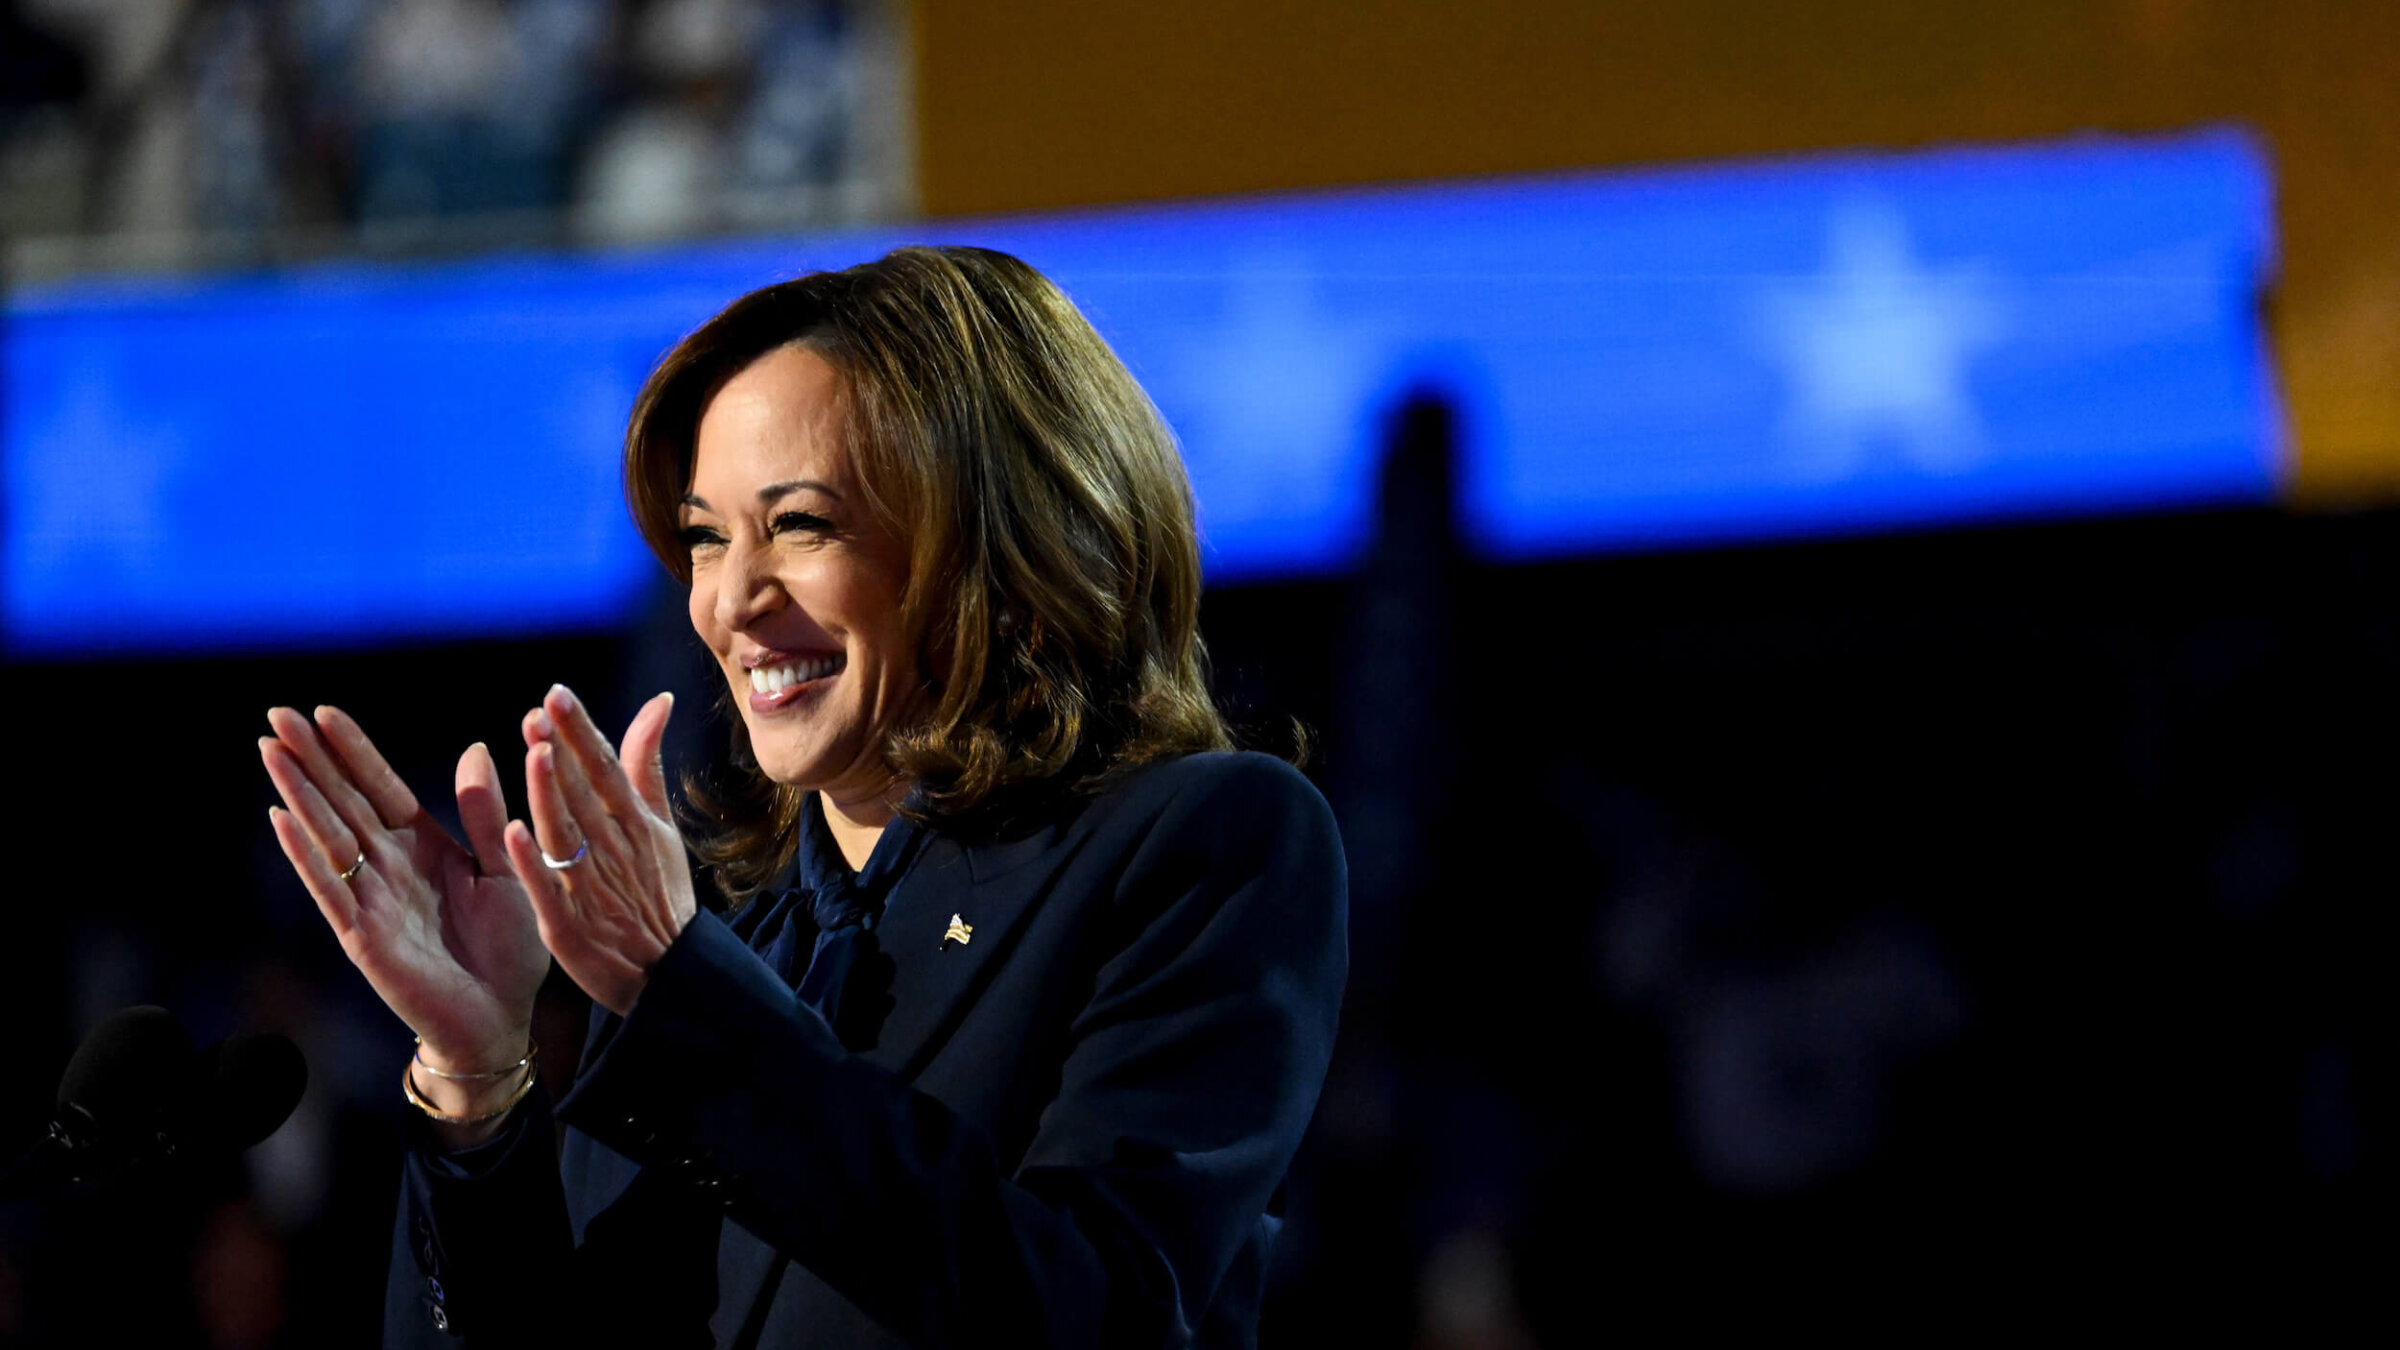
990, 888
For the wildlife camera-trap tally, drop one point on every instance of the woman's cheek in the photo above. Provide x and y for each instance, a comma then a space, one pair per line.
702, 610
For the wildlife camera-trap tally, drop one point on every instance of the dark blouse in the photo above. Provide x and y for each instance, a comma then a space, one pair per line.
825, 909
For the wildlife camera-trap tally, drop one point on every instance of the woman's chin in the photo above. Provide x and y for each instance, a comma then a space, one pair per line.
805, 776
809, 768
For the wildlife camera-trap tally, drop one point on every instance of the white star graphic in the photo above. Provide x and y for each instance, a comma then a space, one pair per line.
1274, 395
93, 485
1876, 347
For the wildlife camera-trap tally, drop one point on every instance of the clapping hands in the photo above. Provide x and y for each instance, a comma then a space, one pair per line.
602, 861
441, 931
453, 937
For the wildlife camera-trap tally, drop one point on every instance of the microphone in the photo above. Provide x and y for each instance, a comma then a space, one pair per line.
248, 1084
135, 1092
118, 1088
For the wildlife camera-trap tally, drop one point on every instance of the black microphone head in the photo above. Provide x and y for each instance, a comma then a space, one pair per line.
249, 1083
125, 1075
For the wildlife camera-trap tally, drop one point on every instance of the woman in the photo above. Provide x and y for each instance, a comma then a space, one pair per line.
1025, 988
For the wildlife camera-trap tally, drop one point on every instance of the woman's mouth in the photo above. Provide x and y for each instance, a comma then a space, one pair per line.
786, 682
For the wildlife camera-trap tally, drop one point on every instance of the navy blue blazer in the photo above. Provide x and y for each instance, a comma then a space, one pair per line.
1070, 1129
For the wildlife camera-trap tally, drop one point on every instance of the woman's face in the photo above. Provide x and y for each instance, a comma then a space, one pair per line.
795, 586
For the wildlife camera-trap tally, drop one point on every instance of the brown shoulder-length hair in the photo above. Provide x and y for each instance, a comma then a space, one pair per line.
1054, 568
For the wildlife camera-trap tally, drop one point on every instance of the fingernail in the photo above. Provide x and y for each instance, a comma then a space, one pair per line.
541, 722
669, 696
563, 692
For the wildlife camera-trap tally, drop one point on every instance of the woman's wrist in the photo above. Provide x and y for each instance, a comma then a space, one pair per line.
484, 1058
468, 1097
438, 1065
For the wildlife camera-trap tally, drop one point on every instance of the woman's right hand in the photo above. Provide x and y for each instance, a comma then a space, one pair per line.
444, 935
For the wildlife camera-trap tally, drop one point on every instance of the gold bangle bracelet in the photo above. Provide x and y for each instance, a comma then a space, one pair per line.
532, 1048
408, 1086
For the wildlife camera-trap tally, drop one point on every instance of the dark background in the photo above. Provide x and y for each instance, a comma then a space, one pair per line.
1736, 934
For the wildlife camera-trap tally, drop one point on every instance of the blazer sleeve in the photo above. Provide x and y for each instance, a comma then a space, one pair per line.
484, 1253
474, 1232
1191, 1073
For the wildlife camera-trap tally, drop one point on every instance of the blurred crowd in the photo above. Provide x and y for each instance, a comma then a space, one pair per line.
213, 131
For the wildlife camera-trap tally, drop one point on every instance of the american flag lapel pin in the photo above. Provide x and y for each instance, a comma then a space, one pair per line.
960, 932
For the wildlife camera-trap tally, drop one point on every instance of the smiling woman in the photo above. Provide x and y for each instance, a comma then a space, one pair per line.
1023, 988
1034, 495
797, 587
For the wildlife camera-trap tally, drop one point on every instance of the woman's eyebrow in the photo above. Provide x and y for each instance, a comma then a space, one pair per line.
771, 493
776, 491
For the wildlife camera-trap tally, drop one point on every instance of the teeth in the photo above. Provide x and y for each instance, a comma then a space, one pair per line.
772, 679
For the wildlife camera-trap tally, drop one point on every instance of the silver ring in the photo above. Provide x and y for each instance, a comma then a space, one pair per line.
562, 864
352, 869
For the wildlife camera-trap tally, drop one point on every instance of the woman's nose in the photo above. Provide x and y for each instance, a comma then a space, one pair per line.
747, 587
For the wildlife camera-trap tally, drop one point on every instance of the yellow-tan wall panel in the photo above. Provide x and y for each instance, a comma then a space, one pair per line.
1030, 104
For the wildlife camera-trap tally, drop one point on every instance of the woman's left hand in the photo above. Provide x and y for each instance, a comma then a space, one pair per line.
610, 913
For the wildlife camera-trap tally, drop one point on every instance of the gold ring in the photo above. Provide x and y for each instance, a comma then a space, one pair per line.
352, 869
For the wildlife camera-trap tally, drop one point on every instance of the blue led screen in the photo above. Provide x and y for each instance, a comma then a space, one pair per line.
352, 455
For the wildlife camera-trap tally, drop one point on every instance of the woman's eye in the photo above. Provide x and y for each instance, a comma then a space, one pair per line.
700, 536
800, 520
